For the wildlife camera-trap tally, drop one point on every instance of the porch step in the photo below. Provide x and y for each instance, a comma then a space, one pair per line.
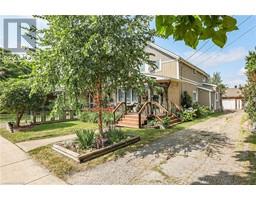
123, 124
131, 120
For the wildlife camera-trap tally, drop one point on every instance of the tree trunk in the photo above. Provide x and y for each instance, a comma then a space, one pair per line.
18, 118
99, 106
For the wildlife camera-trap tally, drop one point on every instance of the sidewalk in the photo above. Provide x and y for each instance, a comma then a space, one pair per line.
33, 144
16, 167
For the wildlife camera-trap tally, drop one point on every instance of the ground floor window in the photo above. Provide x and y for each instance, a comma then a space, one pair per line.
195, 96
131, 96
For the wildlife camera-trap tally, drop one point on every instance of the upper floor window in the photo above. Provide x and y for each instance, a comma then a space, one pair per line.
143, 68
204, 79
158, 65
194, 71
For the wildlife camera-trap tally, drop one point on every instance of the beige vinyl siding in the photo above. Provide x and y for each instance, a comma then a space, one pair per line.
189, 88
174, 93
168, 69
168, 66
203, 97
188, 73
157, 55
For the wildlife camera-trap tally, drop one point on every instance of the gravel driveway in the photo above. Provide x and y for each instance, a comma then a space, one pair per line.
205, 153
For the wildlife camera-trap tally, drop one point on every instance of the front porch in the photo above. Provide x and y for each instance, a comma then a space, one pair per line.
133, 107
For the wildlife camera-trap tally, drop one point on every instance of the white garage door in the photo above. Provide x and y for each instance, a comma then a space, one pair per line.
229, 104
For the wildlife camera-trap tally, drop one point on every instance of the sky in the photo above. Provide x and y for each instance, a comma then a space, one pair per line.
229, 61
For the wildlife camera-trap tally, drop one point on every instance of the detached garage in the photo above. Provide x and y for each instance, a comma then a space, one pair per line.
232, 99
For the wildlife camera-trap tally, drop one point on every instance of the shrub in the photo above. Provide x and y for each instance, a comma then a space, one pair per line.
89, 117
108, 117
186, 100
92, 117
188, 114
152, 122
86, 138
201, 111
115, 135
166, 122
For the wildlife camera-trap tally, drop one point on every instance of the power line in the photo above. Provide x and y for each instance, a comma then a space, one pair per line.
230, 43
247, 18
197, 50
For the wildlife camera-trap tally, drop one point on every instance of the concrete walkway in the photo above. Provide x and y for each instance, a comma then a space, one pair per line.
16, 167
33, 144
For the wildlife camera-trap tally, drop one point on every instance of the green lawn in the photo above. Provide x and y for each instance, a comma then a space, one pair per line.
46, 130
62, 166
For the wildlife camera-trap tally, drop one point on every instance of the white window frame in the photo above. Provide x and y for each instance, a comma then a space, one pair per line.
160, 65
195, 92
131, 96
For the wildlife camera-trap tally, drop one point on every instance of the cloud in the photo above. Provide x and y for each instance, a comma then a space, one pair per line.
234, 80
242, 71
216, 58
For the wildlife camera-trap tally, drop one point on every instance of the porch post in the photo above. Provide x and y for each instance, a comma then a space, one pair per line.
125, 100
166, 95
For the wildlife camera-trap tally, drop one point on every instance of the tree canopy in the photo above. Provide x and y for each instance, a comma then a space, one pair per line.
193, 28
216, 80
250, 87
16, 98
92, 53
12, 65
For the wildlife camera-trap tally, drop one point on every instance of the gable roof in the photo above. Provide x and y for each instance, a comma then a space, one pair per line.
179, 58
233, 92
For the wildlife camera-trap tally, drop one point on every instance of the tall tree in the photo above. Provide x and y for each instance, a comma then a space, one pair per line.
16, 98
193, 28
250, 87
221, 88
11, 65
92, 53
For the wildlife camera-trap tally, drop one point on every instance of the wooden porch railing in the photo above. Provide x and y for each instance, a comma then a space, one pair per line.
160, 107
145, 108
120, 107
174, 109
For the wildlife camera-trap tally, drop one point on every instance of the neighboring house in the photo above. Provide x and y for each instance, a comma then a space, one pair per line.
233, 99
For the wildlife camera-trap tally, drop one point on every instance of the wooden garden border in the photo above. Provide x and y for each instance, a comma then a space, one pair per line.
94, 154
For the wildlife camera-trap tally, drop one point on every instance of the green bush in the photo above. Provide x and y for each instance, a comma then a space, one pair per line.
166, 122
188, 114
86, 138
108, 117
152, 122
115, 135
201, 111
89, 117
186, 100
92, 117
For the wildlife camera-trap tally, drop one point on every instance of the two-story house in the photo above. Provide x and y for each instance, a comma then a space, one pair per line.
176, 75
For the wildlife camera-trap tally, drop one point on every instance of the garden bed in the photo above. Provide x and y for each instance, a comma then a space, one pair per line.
71, 149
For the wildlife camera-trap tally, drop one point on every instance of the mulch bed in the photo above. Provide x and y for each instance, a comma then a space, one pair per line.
71, 149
